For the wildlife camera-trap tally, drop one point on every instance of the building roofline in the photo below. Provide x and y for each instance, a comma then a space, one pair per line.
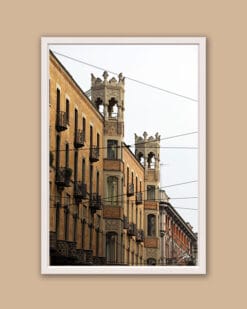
173, 211
133, 155
76, 84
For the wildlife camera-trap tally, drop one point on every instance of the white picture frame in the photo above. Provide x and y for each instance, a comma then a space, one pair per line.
200, 268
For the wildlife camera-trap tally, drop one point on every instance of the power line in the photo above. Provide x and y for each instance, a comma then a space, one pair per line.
125, 203
129, 78
160, 188
181, 183
182, 198
127, 146
141, 143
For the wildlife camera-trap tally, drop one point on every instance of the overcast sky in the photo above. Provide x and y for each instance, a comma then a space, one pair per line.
170, 67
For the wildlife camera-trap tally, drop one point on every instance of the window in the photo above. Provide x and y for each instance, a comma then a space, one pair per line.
112, 189
76, 120
98, 140
83, 172
75, 166
151, 160
111, 248
66, 217
91, 179
151, 225
151, 261
67, 155
84, 127
75, 227
128, 209
112, 149
97, 183
83, 233
150, 193
58, 151
58, 100
91, 136
58, 207
67, 110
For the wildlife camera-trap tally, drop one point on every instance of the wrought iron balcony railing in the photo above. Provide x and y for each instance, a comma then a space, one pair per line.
94, 154
79, 138
125, 223
80, 190
132, 229
61, 121
95, 202
140, 235
130, 189
63, 175
138, 198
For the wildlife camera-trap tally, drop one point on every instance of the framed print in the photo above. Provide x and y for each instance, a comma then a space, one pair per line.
123, 155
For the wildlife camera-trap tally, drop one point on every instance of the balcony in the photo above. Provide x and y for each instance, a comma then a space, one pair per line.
113, 165
80, 190
125, 223
95, 202
171, 261
138, 198
61, 121
79, 138
132, 229
94, 154
130, 189
140, 236
63, 175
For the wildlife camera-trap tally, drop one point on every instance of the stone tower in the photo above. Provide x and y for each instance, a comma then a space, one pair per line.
147, 152
108, 97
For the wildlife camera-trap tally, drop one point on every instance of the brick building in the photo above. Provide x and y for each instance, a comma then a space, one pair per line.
104, 200
178, 241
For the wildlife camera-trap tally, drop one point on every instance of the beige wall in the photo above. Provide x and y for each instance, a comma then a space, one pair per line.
138, 171
77, 100
224, 24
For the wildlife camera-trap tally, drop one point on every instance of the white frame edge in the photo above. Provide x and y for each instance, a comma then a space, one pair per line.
118, 270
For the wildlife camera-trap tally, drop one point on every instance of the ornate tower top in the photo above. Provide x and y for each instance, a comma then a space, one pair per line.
147, 150
108, 95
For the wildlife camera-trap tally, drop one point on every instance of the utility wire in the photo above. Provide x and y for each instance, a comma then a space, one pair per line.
125, 194
141, 143
173, 185
125, 203
162, 147
129, 78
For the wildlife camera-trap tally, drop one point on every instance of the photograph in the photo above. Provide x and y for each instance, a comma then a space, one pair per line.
123, 155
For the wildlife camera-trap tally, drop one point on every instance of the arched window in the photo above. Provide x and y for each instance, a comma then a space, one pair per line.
151, 225
112, 108
140, 158
150, 192
112, 149
112, 189
111, 248
151, 160
99, 105
151, 261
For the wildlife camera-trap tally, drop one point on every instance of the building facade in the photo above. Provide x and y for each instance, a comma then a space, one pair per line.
76, 173
147, 151
105, 204
178, 241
